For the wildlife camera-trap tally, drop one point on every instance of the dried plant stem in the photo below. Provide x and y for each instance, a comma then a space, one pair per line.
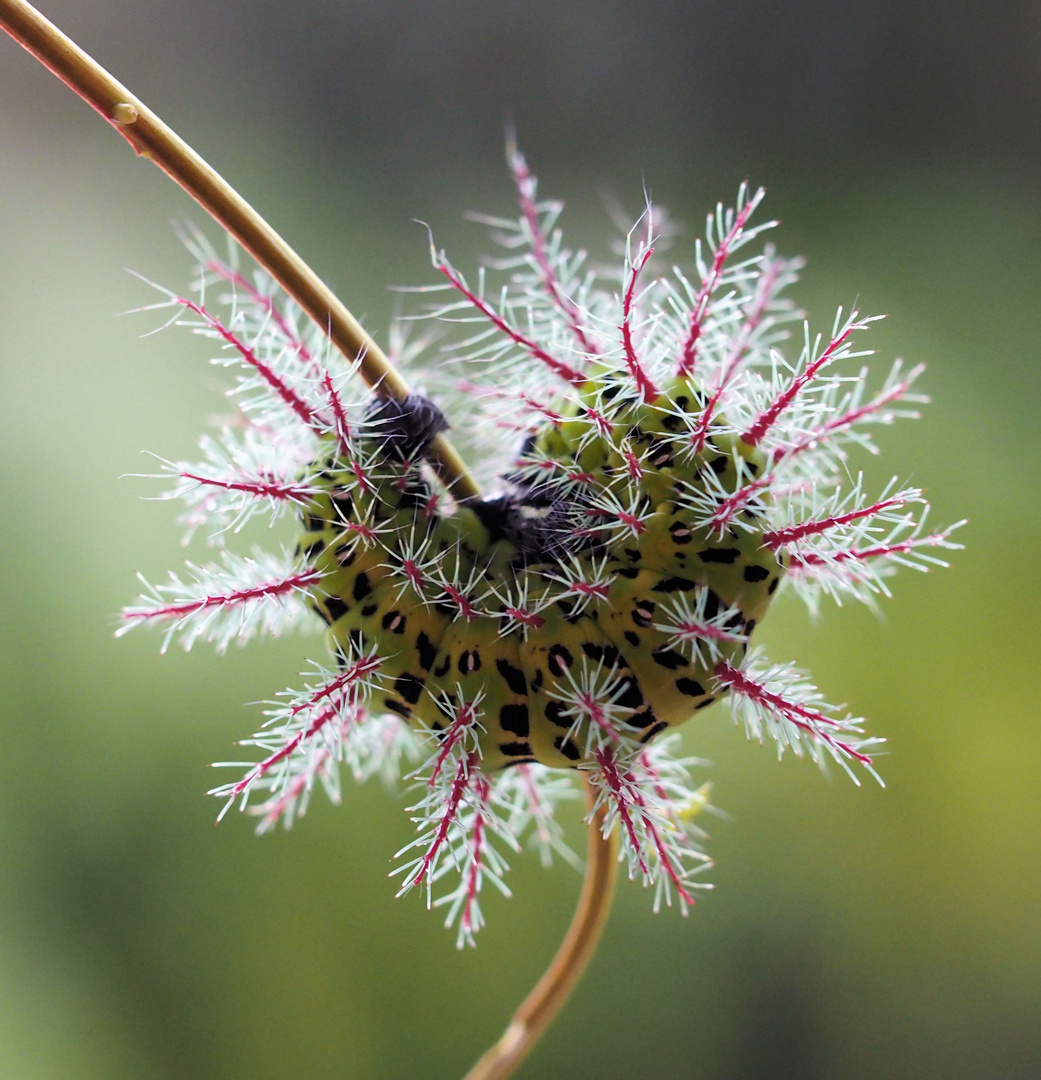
151, 138
541, 1006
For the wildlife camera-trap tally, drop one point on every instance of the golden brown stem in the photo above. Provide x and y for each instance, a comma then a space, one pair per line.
151, 138
553, 989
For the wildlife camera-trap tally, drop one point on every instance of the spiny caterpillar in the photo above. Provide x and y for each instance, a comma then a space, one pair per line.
565, 624
654, 469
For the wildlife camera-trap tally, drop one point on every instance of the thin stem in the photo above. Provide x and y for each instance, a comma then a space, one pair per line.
152, 139
541, 1006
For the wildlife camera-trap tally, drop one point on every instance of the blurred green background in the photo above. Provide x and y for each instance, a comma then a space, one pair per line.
852, 933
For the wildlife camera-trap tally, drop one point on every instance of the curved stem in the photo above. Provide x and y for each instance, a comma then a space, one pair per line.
151, 138
541, 1006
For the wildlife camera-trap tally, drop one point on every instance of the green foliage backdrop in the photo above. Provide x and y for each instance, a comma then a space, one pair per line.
852, 934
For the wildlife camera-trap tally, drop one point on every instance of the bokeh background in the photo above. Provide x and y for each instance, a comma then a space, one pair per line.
852, 933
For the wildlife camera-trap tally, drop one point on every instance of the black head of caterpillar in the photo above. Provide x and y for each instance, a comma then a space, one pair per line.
559, 607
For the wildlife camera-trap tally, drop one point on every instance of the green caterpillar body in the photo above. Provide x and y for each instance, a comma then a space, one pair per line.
467, 613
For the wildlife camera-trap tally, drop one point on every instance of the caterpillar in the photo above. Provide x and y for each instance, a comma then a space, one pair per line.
547, 622
656, 469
